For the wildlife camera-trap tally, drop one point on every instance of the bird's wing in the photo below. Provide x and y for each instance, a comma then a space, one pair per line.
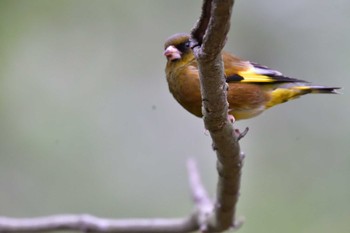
237, 70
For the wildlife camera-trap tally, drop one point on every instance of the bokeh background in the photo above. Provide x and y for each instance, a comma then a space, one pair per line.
87, 124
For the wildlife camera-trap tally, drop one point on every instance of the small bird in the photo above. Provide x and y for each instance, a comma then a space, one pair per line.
252, 88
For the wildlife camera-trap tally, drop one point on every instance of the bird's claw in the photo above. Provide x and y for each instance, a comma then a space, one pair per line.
231, 118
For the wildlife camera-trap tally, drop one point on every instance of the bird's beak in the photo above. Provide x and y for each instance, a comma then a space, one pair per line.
172, 53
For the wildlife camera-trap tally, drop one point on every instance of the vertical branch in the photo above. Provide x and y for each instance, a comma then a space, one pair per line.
208, 39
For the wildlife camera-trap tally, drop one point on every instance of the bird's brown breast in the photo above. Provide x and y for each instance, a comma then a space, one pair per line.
185, 87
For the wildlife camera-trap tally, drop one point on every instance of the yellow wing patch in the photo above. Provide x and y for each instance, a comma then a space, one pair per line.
252, 77
260, 74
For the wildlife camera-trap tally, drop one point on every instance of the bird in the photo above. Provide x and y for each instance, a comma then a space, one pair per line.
252, 88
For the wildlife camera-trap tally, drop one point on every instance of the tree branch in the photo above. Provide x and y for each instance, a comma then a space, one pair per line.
199, 30
208, 39
89, 223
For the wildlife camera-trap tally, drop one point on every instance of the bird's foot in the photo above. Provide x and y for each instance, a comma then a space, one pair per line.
231, 118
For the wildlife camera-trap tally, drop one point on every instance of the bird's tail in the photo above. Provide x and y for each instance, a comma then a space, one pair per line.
317, 89
281, 95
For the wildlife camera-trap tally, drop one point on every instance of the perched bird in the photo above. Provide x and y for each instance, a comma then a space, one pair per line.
252, 88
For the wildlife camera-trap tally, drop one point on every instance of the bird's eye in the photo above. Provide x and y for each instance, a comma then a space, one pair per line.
183, 46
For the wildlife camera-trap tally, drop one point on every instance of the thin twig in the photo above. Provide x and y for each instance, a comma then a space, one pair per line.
202, 24
89, 223
200, 196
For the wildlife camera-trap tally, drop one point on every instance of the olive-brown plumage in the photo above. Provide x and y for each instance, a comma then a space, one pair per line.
252, 88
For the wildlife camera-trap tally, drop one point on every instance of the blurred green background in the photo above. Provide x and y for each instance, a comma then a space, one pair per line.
87, 124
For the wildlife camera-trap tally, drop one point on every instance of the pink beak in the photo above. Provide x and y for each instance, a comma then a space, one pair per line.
172, 53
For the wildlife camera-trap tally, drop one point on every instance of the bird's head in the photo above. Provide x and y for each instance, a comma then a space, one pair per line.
177, 48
